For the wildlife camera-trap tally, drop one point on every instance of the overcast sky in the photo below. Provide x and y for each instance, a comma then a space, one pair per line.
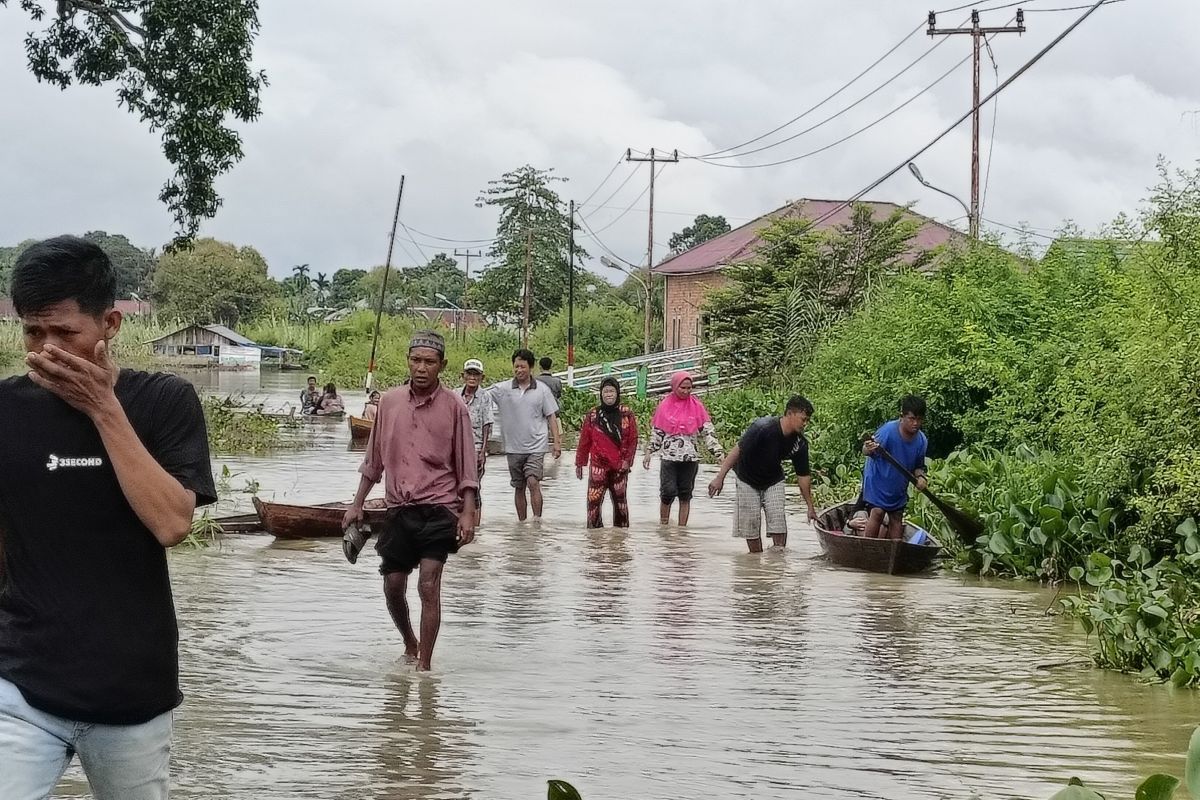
453, 94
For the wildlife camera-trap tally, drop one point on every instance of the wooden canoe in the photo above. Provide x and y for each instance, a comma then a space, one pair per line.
874, 555
360, 428
285, 521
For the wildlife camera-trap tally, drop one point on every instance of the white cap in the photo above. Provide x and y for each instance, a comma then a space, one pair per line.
473, 364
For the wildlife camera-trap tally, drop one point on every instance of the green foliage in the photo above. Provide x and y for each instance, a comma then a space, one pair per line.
602, 333
1156, 787
232, 429
345, 289
8, 257
132, 264
212, 281
181, 66
776, 309
700, 231
533, 221
561, 790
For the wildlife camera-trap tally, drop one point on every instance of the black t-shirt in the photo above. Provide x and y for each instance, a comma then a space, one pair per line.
87, 623
761, 450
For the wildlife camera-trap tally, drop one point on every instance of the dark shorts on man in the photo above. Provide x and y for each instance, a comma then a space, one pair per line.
677, 479
412, 533
523, 466
863, 505
479, 494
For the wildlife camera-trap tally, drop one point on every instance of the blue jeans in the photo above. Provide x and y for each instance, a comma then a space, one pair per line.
122, 762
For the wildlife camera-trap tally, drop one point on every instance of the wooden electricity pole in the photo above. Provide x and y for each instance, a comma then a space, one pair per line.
528, 286
653, 159
977, 34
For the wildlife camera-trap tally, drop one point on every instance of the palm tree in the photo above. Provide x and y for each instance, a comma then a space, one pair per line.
300, 277
322, 284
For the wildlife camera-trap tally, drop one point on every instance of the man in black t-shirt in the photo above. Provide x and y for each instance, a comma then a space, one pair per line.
103, 470
755, 461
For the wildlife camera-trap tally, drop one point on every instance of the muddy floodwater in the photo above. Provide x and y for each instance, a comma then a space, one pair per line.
647, 663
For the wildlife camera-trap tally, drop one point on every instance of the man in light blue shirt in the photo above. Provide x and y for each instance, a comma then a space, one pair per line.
885, 488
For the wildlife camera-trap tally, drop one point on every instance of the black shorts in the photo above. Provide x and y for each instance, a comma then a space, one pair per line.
412, 533
863, 505
677, 479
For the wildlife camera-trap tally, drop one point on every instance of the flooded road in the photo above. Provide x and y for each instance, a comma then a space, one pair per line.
648, 663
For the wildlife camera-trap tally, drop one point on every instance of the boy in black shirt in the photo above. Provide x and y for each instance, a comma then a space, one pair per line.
103, 470
755, 461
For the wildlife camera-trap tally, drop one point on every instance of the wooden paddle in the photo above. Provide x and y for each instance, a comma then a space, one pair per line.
966, 526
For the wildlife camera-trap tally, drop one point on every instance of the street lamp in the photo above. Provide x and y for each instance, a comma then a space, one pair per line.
916, 173
458, 332
608, 262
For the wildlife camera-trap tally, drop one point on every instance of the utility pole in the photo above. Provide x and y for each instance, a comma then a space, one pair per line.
387, 268
528, 285
571, 297
977, 34
468, 255
653, 159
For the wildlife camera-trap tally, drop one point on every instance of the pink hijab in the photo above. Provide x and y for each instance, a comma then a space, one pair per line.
675, 416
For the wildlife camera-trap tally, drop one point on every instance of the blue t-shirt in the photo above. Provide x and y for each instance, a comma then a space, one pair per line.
884, 485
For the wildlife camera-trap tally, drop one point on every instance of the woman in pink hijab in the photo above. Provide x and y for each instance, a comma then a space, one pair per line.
675, 429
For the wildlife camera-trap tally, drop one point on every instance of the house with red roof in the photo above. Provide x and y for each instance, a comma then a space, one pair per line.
692, 275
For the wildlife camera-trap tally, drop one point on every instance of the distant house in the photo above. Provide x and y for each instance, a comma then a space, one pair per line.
693, 274
214, 343
129, 308
469, 318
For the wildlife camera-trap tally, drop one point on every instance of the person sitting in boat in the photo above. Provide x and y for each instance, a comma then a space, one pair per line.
372, 406
330, 402
310, 398
885, 488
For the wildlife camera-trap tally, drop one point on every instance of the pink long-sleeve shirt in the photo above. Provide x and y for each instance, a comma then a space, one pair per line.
423, 448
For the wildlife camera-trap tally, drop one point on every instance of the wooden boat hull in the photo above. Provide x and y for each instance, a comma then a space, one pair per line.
324, 521
360, 428
873, 555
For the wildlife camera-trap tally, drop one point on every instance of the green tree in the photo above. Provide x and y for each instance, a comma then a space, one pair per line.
212, 282
440, 276
398, 297
700, 231
8, 256
182, 67
533, 221
321, 284
132, 264
603, 332
775, 308
345, 288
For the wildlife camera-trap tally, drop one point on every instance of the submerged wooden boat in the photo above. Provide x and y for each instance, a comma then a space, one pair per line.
286, 521
874, 555
360, 428
240, 523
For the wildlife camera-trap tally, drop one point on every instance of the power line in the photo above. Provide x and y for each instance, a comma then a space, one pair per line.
994, 93
811, 109
987, 177
629, 207
620, 160
420, 249
447, 239
828, 119
848, 136
1067, 8
617, 191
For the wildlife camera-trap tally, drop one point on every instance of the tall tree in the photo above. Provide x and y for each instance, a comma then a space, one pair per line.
8, 256
440, 276
182, 67
212, 282
345, 289
132, 264
533, 224
700, 231
804, 280
321, 284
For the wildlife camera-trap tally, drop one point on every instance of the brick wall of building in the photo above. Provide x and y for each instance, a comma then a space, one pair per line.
685, 295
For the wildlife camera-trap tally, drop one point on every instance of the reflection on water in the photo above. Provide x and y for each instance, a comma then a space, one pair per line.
650, 663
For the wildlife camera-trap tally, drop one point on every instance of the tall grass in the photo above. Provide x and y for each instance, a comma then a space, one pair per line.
131, 346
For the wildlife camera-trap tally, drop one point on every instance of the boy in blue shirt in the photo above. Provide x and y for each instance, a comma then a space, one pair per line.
885, 489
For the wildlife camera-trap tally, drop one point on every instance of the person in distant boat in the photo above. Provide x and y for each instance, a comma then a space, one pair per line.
371, 407
885, 488
330, 402
528, 419
552, 381
678, 423
103, 469
421, 446
483, 417
608, 439
310, 398
755, 462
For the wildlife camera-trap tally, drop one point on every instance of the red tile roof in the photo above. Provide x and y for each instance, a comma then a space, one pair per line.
740, 244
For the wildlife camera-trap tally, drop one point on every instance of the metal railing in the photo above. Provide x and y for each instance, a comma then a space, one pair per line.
657, 368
